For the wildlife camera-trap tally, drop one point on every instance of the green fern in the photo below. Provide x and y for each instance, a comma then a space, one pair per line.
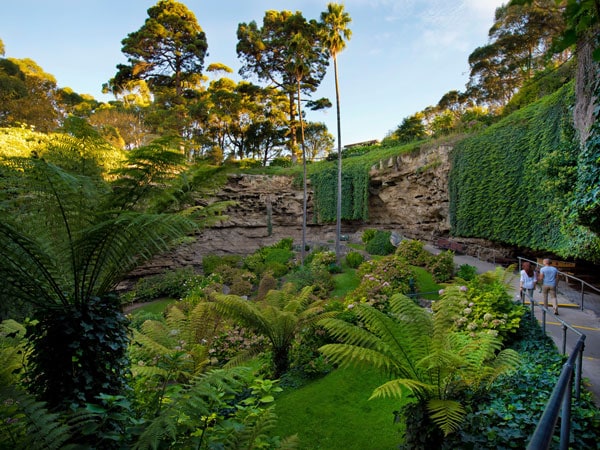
421, 353
27, 424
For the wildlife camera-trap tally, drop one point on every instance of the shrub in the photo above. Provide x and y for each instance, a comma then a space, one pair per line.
380, 279
281, 161
354, 259
267, 283
211, 262
172, 284
441, 266
320, 279
240, 281
466, 272
368, 234
380, 244
484, 304
414, 252
324, 259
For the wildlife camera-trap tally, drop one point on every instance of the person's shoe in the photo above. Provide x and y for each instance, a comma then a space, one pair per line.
556, 311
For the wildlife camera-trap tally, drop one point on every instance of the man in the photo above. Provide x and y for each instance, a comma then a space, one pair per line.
549, 278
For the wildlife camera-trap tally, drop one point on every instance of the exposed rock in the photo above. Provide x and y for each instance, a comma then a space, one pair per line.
408, 194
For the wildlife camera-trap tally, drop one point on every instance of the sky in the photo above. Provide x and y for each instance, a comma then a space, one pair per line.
403, 56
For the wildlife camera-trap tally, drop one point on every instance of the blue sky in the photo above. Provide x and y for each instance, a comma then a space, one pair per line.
404, 55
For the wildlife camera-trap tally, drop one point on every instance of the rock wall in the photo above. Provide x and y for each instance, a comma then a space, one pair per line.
408, 194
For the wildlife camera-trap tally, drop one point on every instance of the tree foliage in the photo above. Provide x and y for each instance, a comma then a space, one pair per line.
168, 50
520, 39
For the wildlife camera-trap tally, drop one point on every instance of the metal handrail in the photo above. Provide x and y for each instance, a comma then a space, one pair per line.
560, 400
561, 397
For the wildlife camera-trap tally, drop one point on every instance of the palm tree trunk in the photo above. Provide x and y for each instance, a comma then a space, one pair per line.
304, 187
338, 229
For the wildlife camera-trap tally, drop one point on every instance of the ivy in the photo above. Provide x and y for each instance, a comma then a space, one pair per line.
587, 200
514, 182
355, 193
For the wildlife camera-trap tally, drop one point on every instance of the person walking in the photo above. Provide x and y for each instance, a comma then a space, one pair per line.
528, 281
549, 277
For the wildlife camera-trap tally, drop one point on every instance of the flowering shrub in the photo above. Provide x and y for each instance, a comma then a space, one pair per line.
323, 259
482, 305
230, 343
414, 252
380, 279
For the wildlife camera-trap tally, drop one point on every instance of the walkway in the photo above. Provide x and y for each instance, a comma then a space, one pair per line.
586, 321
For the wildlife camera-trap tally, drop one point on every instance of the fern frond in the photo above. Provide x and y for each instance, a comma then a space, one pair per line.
262, 422
158, 430
148, 371
446, 414
348, 355
144, 346
400, 387
27, 423
349, 333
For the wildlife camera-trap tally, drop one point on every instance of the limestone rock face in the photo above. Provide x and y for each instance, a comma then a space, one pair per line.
408, 194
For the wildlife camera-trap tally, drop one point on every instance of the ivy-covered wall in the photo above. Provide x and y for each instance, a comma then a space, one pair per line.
514, 183
355, 192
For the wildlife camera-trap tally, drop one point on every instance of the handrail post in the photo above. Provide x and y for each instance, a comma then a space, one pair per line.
578, 369
565, 420
564, 343
544, 319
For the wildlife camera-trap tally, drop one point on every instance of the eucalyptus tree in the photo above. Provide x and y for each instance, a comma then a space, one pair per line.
266, 53
335, 34
67, 238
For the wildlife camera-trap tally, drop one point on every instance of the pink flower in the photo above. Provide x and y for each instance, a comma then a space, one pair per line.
463, 288
441, 292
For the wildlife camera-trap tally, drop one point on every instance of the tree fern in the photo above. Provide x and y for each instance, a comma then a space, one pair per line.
423, 354
279, 318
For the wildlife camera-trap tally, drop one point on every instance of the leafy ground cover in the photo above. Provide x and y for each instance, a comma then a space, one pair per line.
335, 412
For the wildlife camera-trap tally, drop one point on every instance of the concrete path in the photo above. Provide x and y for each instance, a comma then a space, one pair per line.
586, 322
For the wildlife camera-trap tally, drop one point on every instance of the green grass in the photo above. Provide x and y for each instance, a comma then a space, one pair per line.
156, 306
334, 413
425, 283
345, 282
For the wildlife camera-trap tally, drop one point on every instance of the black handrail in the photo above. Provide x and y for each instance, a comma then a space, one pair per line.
560, 399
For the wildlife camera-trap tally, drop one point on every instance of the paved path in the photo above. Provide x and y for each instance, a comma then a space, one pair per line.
586, 321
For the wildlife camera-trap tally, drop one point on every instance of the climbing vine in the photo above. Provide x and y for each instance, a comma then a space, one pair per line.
514, 182
355, 192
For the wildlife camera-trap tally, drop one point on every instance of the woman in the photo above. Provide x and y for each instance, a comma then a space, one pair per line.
528, 280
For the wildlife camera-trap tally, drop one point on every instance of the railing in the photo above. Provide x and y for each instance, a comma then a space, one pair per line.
561, 397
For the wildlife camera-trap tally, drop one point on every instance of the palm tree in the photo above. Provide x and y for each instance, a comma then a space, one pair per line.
66, 240
422, 355
335, 33
280, 317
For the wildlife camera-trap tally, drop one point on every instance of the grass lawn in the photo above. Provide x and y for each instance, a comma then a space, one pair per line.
334, 413
345, 282
155, 306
